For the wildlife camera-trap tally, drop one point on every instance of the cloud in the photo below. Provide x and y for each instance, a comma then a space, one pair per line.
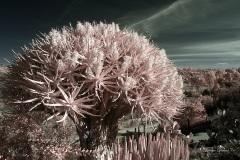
200, 33
160, 19
187, 17
193, 32
207, 55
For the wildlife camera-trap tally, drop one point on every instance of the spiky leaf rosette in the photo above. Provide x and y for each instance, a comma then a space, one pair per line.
71, 71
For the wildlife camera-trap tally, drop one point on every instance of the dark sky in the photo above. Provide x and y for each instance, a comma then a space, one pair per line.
197, 33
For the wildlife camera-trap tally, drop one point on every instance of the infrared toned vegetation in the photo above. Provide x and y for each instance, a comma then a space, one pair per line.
93, 74
212, 99
66, 95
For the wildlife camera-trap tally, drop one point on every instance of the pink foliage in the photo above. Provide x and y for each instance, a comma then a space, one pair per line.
94, 74
100, 58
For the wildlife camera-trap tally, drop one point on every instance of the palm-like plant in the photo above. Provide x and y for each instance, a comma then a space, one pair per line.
94, 74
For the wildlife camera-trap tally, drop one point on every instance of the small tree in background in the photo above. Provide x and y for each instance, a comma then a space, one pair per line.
94, 74
194, 113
